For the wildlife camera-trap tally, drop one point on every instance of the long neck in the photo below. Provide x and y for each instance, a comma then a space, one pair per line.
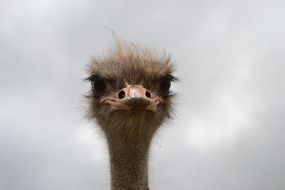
129, 137
129, 163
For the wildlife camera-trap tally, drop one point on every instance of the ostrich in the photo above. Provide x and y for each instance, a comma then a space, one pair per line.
130, 99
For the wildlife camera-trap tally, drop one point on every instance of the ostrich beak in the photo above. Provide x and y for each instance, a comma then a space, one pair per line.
133, 97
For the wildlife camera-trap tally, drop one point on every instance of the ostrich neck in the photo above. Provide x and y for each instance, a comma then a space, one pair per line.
129, 161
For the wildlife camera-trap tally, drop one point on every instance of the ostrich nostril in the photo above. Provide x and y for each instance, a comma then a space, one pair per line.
121, 94
147, 93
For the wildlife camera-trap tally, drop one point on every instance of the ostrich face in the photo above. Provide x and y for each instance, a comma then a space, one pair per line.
131, 87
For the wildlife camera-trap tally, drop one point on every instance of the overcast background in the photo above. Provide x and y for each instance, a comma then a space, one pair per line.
229, 130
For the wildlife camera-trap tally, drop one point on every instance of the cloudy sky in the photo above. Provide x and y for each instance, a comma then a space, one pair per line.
229, 129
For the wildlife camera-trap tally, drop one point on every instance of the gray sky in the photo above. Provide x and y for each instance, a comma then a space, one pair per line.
229, 128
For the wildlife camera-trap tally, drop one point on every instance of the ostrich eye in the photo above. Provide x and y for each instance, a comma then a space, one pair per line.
165, 84
98, 85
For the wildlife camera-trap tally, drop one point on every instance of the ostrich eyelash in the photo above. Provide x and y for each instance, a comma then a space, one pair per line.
172, 78
92, 78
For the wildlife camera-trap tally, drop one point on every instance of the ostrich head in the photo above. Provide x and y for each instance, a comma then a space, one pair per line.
130, 99
130, 95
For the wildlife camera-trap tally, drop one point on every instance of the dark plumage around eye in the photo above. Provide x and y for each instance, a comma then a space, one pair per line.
165, 84
98, 85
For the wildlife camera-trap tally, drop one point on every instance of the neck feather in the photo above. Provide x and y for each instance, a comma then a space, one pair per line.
129, 162
129, 137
